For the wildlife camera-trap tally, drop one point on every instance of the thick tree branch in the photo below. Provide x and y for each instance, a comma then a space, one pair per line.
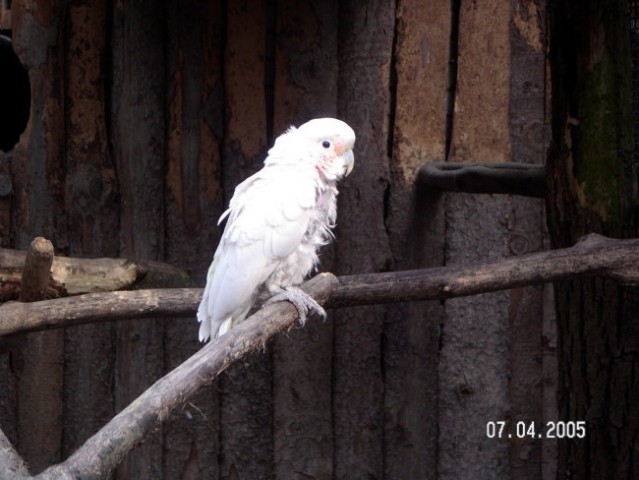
594, 255
105, 450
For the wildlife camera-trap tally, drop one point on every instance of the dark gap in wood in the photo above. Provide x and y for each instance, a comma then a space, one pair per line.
455, 6
270, 67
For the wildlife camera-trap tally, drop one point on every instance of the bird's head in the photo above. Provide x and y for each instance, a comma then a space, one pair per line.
331, 142
327, 143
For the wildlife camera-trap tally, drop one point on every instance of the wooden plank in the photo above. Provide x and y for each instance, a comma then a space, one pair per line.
416, 225
529, 143
365, 42
138, 147
193, 203
305, 87
38, 181
92, 206
483, 84
473, 369
246, 410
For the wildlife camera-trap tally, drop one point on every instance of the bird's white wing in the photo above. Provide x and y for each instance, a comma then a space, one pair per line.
267, 219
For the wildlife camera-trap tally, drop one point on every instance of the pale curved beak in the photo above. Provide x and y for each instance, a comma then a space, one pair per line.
349, 161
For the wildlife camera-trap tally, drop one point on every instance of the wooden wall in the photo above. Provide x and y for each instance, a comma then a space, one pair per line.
146, 114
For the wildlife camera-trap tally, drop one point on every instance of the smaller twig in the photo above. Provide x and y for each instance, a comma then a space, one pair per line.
506, 178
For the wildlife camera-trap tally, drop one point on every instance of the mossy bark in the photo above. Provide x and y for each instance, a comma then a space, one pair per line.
592, 188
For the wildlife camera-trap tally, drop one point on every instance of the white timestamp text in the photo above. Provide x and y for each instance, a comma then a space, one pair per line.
530, 429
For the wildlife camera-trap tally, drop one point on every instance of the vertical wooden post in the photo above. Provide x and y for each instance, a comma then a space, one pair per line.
416, 224
305, 88
246, 395
592, 188
38, 181
138, 130
93, 209
365, 44
193, 200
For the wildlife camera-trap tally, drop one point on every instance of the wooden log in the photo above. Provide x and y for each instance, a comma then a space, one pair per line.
37, 174
193, 201
137, 131
470, 392
416, 226
245, 394
531, 333
39, 416
592, 187
78, 275
36, 271
365, 47
305, 87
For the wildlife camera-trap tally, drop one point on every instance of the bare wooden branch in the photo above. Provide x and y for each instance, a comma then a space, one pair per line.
101, 453
509, 178
18, 317
594, 255
35, 274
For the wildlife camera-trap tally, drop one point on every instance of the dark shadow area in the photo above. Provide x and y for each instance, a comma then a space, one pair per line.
15, 96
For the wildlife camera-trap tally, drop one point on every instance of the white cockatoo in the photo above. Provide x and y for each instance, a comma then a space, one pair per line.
277, 220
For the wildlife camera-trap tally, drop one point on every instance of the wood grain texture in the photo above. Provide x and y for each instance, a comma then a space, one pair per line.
92, 203
245, 389
193, 201
38, 182
592, 188
473, 363
365, 43
146, 116
305, 87
138, 136
415, 222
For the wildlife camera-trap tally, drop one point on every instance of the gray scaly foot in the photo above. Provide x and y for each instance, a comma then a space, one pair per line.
302, 301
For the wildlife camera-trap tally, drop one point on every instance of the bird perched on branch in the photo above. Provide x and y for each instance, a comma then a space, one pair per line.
277, 220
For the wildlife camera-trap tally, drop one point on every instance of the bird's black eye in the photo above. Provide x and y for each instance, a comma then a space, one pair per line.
326, 144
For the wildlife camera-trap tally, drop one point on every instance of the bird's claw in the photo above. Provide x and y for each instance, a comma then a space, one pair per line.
301, 300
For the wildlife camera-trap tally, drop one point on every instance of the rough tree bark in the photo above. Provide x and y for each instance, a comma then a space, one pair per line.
592, 188
38, 181
137, 130
246, 409
92, 203
193, 196
365, 43
305, 87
